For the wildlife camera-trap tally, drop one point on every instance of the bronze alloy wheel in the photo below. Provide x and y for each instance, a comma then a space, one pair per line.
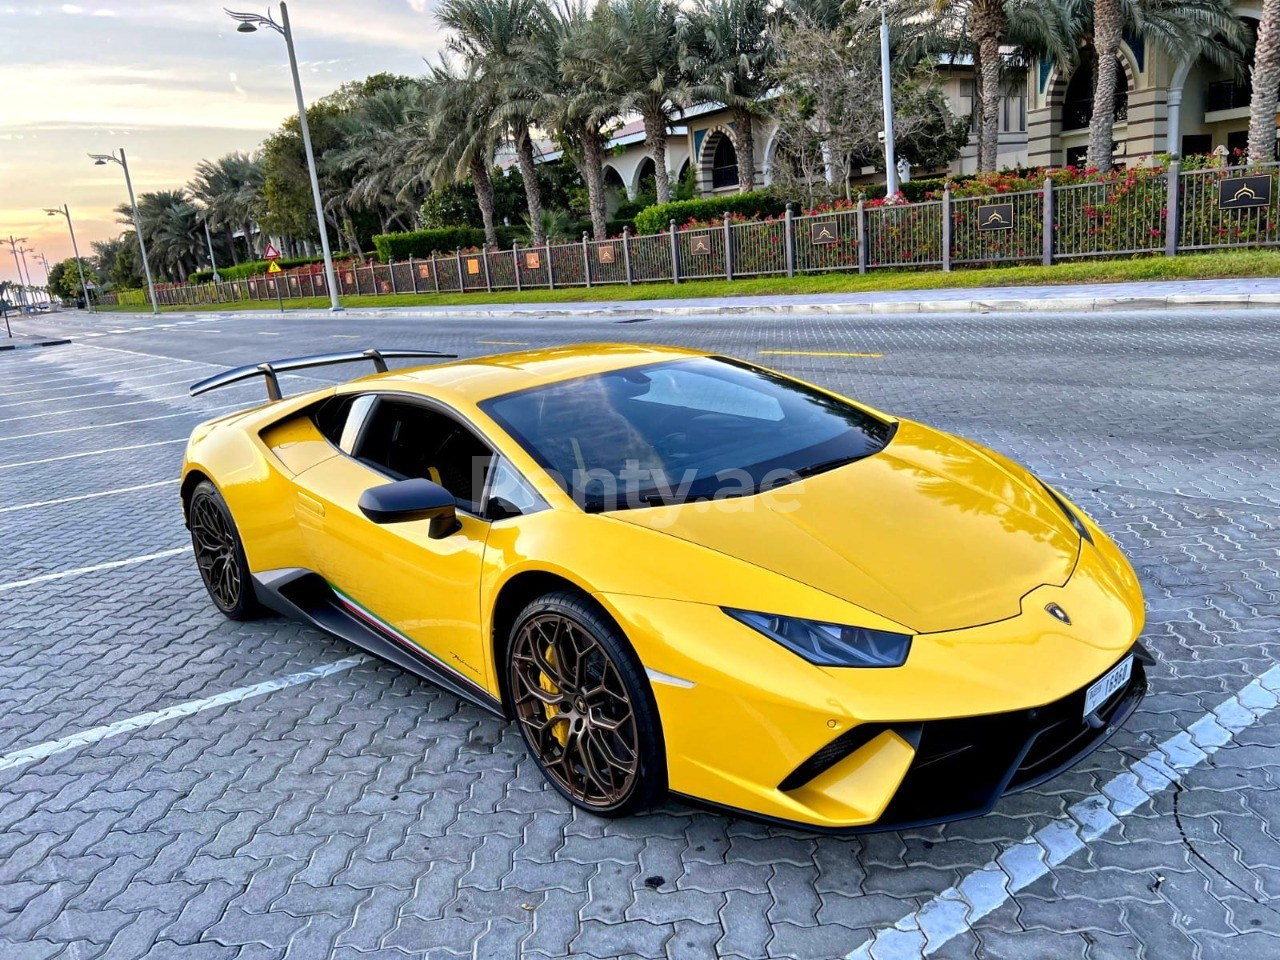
575, 710
215, 548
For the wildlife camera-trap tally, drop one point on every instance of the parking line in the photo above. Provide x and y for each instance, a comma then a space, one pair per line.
816, 353
100, 406
78, 571
984, 890
125, 423
87, 496
40, 751
81, 396
506, 343
90, 453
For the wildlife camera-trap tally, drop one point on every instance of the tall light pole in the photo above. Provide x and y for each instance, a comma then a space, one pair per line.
101, 159
53, 212
209, 239
13, 248
886, 88
249, 23
27, 270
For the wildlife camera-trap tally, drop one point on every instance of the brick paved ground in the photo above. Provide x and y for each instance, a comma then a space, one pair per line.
367, 814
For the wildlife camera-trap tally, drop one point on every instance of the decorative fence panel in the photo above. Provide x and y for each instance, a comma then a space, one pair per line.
1007, 226
1228, 207
1136, 212
759, 248
1110, 218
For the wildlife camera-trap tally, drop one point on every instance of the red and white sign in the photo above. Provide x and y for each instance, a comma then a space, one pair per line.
271, 253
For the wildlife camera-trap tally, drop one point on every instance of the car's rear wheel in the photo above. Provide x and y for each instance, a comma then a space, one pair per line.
220, 554
583, 706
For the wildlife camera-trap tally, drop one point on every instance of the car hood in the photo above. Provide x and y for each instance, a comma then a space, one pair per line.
932, 532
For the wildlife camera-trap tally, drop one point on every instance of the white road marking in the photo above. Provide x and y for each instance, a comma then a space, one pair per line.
125, 423
953, 911
88, 496
79, 571
40, 751
81, 396
100, 406
90, 453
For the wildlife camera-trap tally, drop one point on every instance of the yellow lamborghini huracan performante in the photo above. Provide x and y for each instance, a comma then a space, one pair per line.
676, 571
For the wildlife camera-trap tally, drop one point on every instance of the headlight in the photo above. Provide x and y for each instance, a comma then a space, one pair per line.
1071, 514
829, 644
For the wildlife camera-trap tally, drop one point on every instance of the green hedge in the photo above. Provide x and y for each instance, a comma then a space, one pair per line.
253, 268
426, 243
755, 205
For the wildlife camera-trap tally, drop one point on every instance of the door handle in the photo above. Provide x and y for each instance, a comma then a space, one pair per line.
312, 504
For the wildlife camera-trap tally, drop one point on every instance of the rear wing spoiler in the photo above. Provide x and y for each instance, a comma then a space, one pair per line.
270, 369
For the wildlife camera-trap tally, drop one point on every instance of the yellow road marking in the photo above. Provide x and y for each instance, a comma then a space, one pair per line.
816, 353
506, 343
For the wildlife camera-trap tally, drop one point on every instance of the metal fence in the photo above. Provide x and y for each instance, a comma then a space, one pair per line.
1136, 212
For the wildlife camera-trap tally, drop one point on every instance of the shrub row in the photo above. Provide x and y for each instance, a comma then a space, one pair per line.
427, 243
754, 206
253, 268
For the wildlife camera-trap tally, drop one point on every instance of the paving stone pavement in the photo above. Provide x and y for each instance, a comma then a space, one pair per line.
367, 814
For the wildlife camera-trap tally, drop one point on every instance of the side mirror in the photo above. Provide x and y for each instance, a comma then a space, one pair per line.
414, 499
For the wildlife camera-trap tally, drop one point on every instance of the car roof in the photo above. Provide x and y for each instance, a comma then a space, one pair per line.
481, 378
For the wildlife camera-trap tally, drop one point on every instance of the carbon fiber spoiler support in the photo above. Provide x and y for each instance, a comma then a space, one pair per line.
270, 369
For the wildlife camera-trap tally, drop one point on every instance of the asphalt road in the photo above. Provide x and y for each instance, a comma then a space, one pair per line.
176, 785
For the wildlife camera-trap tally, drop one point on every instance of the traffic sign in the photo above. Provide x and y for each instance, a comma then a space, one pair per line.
274, 268
271, 253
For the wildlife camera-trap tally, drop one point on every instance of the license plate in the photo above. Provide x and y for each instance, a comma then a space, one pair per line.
1102, 689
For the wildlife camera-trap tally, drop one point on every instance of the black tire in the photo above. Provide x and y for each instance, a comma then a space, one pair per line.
220, 554
606, 743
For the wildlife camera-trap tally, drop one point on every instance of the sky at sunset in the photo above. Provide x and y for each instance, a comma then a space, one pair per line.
171, 82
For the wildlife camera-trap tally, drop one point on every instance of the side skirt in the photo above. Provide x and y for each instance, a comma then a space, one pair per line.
305, 595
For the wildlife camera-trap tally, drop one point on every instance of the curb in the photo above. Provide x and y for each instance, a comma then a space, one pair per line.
633, 308
33, 344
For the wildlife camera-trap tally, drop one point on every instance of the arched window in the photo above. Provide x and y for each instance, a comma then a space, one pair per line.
724, 164
1077, 103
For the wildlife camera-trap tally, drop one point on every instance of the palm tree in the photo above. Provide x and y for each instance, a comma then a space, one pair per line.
173, 229
1183, 29
493, 37
633, 54
231, 189
1266, 85
986, 31
452, 138
372, 153
731, 52
573, 105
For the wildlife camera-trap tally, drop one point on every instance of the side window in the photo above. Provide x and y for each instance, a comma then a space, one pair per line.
510, 494
341, 418
406, 440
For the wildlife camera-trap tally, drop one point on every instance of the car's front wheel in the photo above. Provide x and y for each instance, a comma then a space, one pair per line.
583, 706
219, 553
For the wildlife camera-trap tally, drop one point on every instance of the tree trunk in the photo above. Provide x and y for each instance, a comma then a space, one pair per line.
1108, 28
593, 172
1266, 86
989, 28
746, 148
532, 195
248, 240
484, 196
231, 245
655, 132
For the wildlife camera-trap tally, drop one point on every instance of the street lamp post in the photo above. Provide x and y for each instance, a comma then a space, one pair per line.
13, 248
209, 240
27, 270
75, 248
249, 23
886, 88
101, 159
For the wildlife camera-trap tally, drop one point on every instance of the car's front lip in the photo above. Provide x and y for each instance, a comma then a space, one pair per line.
962, 767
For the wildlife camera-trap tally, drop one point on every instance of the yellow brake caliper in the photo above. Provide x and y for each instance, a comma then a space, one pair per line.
559, 725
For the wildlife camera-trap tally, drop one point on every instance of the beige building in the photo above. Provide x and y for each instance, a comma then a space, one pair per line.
1165, 107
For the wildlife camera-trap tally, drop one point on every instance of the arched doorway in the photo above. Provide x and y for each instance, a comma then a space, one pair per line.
718, 162
615, 191
645, 188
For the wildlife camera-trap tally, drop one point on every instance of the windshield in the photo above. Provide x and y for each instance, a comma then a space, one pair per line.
690, 429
